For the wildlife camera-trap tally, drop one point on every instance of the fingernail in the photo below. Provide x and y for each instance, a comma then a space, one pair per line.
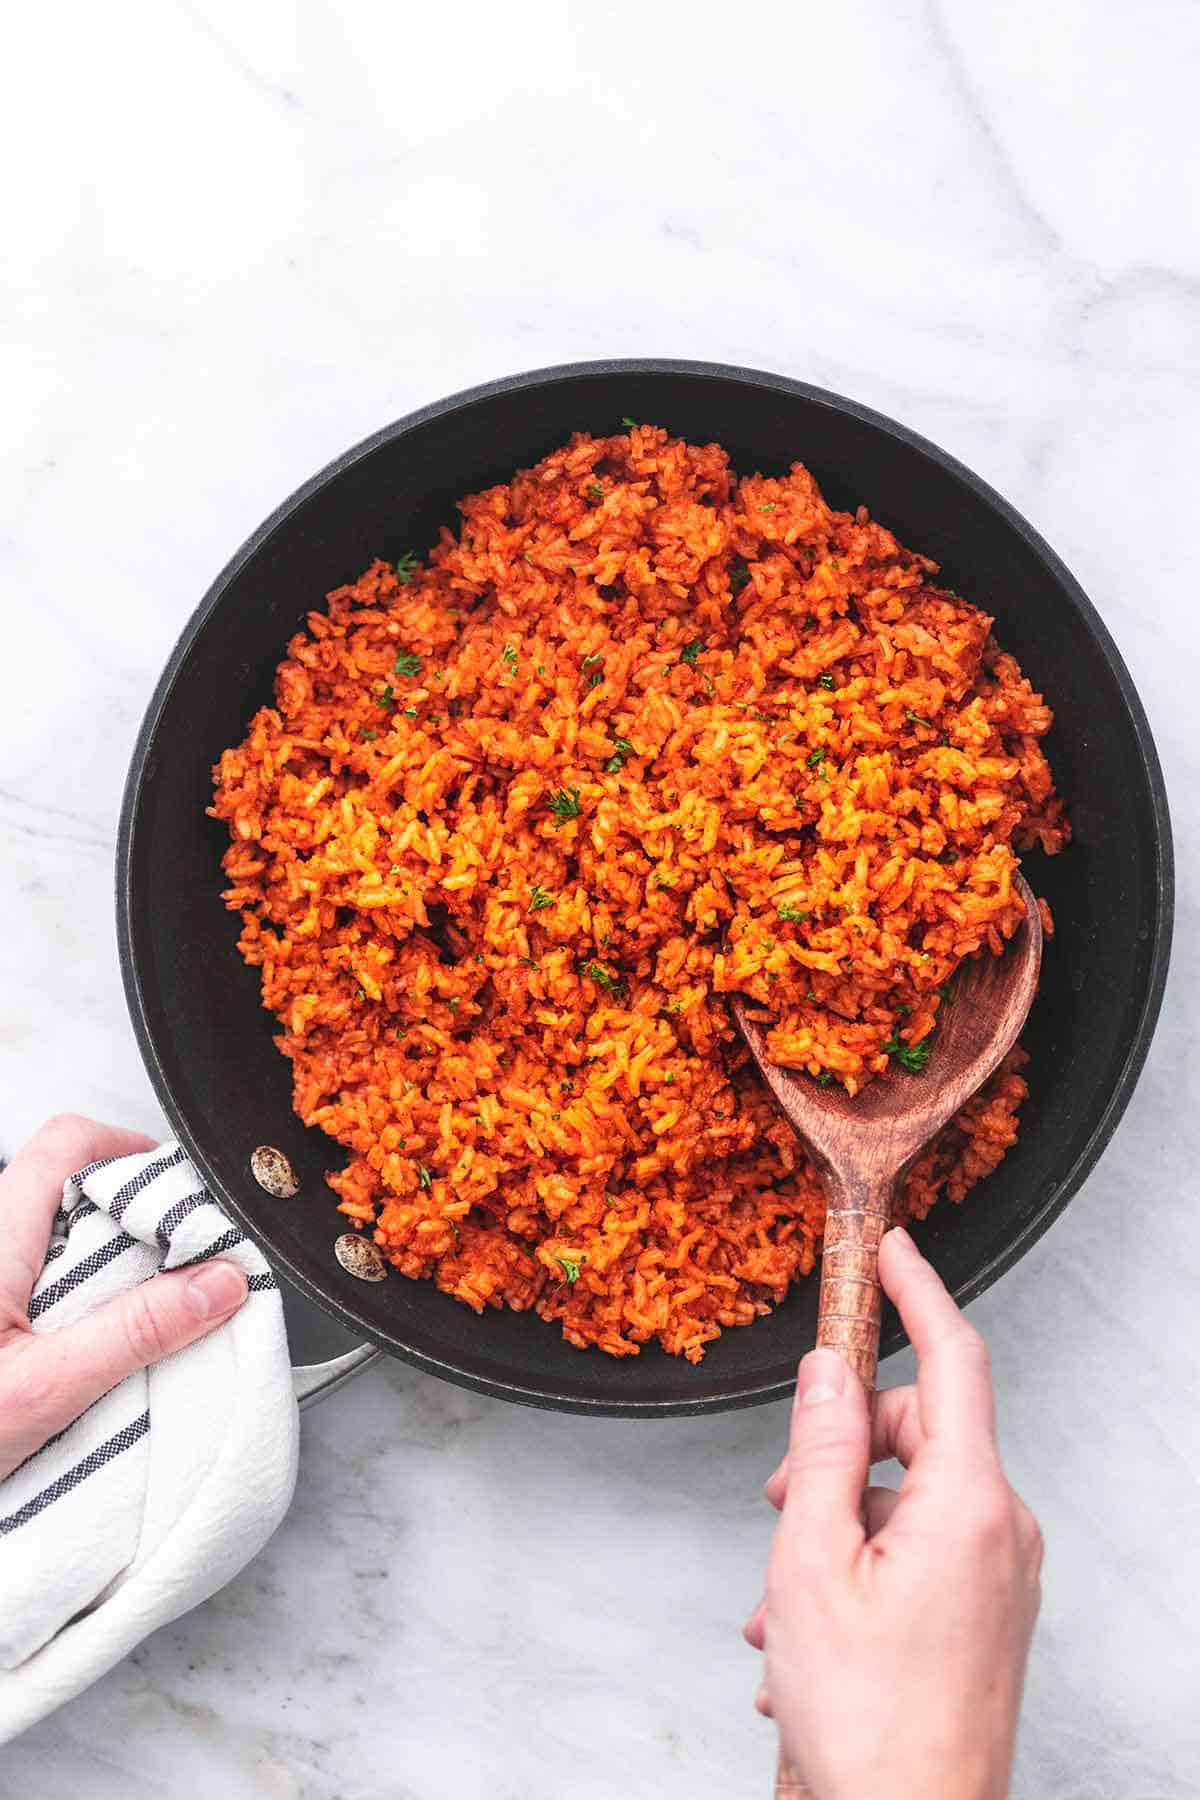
215, 1289
901, 1238
822, 1377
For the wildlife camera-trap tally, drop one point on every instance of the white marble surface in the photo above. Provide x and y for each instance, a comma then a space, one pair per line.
239, 238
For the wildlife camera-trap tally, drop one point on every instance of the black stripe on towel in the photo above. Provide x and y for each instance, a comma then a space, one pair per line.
229, 1240
258, 1284
94, 1460
175, 1215
82, 1175
83, 1271
142, 1180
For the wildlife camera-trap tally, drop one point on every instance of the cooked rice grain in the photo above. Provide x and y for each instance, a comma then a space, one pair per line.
639, 736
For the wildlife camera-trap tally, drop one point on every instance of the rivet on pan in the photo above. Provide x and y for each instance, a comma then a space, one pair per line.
360, 1257
273, 1172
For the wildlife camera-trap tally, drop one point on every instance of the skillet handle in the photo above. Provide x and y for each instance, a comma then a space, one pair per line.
859, 1212
312, 1381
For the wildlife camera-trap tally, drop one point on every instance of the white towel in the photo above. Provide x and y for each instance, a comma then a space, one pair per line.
170, 1483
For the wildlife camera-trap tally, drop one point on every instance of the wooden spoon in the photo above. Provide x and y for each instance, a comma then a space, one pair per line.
863, 1145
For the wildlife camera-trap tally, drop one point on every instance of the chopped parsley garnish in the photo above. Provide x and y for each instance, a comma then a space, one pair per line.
452, 1002
406, 663
590, 661
410, 712
902, 1006
911, 1057
424, 1178
616, 762
604, 978
769, 507
834, 563
738, 578
406, 567
816, 757
508, 656
595, 491
825, 681
691, 651
539, 899
388, 696
570, 1266
915, 718
529, 960
825, 1079
629, 424
595, 678
564, 804
669, 1078
792, 913
943, 993
370, 736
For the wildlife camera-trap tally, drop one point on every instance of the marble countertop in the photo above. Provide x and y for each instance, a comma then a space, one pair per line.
240, 239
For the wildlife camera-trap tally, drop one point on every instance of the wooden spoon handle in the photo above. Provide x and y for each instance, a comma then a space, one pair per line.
788, 1785
859, 1213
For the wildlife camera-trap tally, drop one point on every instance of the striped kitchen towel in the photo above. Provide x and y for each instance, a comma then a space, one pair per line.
169, 1484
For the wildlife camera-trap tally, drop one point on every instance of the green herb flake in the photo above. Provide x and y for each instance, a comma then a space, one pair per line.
915, 718
508, 657
570, 1266
539, 899
564, 804
738, 578
691, 652
825, 681
616, 762
406, 663
769, 507
825, 1079
816, 757
595, 491
792, 914
406, 567
629, 424
424, 1178
388, 696
911, 1057
590, 661
604, 978
541, 668
370, 736
453, 1002
410, 712
669, 1079
529, 960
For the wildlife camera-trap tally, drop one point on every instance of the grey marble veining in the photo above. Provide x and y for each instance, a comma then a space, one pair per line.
241, 238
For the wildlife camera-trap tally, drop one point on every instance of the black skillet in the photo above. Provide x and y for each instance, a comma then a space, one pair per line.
207, 1042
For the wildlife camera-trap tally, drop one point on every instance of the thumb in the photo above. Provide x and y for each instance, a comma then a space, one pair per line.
72, 1368
829, 1453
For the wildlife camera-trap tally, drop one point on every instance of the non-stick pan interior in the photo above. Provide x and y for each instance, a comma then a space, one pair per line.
208, 1042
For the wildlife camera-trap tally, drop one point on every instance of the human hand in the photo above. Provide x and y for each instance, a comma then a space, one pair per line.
896, 1627
47, 1379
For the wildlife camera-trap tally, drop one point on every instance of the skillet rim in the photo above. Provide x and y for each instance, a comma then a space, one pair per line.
136, 983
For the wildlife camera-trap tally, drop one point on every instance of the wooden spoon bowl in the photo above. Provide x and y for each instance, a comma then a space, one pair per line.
864, 1144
